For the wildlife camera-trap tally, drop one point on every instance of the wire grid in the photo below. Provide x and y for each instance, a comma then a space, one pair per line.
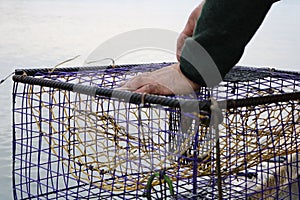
72, 145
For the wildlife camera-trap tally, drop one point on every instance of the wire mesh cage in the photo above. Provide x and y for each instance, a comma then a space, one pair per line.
76, 136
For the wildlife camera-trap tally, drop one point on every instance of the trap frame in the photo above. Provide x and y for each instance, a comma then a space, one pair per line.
76, 136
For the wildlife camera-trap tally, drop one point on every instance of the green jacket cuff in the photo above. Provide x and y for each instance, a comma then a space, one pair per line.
223, 30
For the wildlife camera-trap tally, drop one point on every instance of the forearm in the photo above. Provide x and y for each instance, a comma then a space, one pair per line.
223, 30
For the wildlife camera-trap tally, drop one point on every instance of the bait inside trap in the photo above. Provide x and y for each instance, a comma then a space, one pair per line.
76, 136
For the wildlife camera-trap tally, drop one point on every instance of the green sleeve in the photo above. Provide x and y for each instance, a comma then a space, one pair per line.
223, 30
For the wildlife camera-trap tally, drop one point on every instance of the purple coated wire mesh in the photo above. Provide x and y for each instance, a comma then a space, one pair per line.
68, 144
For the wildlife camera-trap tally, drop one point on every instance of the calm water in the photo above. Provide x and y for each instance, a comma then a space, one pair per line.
39, 33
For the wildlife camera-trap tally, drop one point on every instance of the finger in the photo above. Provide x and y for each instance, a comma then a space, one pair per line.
154, 89
125, 85
150, 89
122, 83
124, 89
138, 81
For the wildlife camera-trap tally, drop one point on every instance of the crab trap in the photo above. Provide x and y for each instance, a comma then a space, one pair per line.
76, 136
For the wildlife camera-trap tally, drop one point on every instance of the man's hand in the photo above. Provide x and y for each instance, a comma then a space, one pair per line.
166, 81
188, 29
